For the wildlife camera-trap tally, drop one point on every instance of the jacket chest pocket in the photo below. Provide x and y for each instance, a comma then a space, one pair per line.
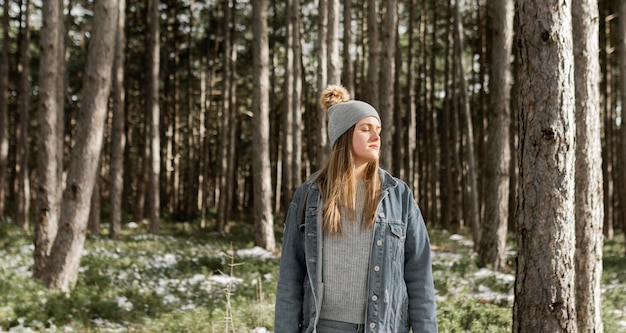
395, 241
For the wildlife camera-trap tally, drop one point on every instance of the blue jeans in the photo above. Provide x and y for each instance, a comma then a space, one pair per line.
331, 326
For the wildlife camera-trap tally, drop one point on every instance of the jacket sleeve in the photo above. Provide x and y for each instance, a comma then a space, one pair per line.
290, 287
418, 274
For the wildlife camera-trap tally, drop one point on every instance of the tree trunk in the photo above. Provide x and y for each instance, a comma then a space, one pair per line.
387, 77
64, 261
93, 221
288, 127
297, 94
622, 92
608, 168
154, 114
589, 200
347, 73
334, 70
471, 187
4, 116
321, 144
263, 219
118, 138
371, 86
49, 110
228, 125
492, 250
545, 283
22, 169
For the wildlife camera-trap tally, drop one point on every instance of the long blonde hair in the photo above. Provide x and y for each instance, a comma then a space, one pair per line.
337, 184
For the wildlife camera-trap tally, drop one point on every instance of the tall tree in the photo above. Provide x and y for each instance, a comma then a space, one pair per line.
334, 69
262, 182
4, 118
322, 148
471, 185
347, 74
154, 114
288, 113
387, 78
371, 85
228, 125
545, 286
297, 93
589, 195
118, 138
21, 166
622, 92
492, 250
64, 260
49, 163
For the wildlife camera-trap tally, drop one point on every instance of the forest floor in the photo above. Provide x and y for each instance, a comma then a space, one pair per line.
194, 280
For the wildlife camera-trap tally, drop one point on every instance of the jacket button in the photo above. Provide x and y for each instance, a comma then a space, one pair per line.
381, 215
379, 242
374, 298
372, 325
376, 268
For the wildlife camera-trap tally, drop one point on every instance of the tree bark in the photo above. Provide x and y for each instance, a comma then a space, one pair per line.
589, 200
371, 86
118, 137
492, 250
470, 184
347, 73
4, 118
387, 78
545, 284
49, 110
334, 67
288, 127
64, 261
22, 168
321, 144
154, 114
262, 182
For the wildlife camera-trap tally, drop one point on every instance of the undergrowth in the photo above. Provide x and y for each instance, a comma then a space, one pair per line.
194, 280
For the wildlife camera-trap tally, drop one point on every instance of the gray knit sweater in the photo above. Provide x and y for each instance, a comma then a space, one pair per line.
345, 266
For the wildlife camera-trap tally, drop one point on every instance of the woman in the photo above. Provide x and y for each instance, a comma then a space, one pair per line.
355, 254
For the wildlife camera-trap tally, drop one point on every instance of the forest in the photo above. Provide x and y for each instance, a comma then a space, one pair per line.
504, 118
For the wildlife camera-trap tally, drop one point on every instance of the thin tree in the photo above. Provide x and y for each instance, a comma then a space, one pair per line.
347, 74
545, 229
262, 182
622, 87
118, 137
64, 260
589, 196
4, 119
297, 93
49, 110
154, 114
227, 125
492, 250
22, 168
372, 80
387, 78
332, 39
287, 158
471, 186
320, 142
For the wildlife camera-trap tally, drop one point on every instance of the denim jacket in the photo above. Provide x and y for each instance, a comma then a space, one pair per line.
400, 282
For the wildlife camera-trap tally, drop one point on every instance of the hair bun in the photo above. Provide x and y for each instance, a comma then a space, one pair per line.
333, 94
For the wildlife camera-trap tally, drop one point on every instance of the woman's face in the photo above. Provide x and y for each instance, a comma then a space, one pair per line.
366, 141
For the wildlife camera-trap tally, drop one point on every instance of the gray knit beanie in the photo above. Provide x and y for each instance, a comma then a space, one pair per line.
342, 116
343, 113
